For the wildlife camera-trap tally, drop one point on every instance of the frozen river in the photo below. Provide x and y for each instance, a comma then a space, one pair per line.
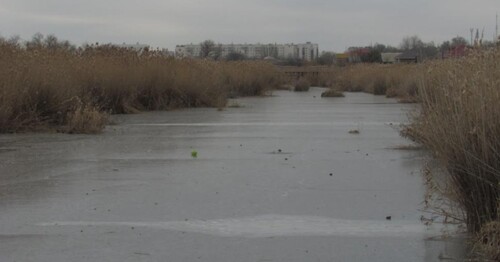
276, 179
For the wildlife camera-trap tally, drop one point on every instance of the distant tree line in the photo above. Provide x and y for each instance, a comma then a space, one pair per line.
50, 42
39, 41
211, 50
426, 50
370, 54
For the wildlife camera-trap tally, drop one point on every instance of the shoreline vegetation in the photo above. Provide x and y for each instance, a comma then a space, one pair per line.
398, 81
46, 86
458, 120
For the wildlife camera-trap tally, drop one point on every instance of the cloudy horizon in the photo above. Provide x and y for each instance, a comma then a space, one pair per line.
334, 25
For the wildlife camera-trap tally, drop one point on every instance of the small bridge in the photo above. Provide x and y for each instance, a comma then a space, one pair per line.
296, 72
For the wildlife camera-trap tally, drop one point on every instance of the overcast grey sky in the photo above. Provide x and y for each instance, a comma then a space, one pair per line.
333, 24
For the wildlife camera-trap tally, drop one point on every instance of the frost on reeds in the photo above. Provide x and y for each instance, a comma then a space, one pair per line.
459, 122
39, 85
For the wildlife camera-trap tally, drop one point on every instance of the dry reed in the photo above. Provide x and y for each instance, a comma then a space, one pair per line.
302, 85
399, 81
41, 86
332, 93
487, 241
459, 121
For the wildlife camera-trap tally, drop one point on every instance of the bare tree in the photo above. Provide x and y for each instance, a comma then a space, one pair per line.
445, 46
458, 41
429, 50
51, 42
411, 43
235, 56
66, 45
36, 42
216, 52
206, 47
326, 58
14, 40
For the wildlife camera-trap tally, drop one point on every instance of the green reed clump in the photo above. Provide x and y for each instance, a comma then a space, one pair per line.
40, 84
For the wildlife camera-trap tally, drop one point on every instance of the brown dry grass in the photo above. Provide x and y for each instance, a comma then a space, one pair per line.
85, 120
40, 87
459, 122
399, 81
487, 241
302, 85
407, 147
332, 93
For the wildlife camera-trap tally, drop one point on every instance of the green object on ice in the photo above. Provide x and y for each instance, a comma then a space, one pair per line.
194, 154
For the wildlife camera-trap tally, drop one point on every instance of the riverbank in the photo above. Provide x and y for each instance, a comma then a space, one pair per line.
458, 121
393, 81
74, 91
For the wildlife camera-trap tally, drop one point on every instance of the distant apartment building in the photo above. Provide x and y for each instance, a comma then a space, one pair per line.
307, 51
287, 51
188, 50
253, 51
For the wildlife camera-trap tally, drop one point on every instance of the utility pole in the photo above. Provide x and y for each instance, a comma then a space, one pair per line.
471, 36
496, 30
482, 36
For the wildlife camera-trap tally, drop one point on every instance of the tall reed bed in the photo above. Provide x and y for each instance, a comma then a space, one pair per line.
74, 91
398, 81
460, 122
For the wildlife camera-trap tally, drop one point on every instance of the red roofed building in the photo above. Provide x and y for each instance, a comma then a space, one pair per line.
355, 54
456, 52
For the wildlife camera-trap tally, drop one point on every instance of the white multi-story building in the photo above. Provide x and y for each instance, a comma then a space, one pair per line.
287, 51
188, 50
307, 51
